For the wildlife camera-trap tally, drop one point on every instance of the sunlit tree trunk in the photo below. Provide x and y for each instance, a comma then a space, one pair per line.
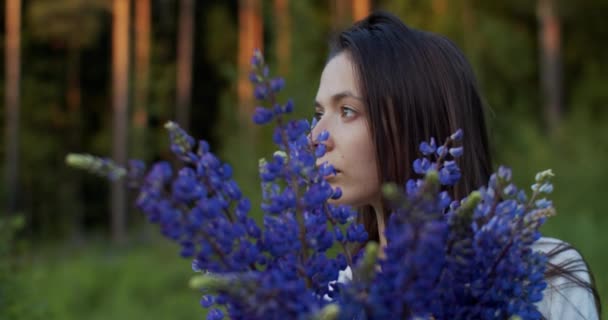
141, 141
12, 68
142, 77
341, 13
440, 8
441, 15
550, 62
283, 29
184, 62
361, 9
120, 101
250, 37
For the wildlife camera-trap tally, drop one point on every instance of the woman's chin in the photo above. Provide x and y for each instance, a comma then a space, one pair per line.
339, 201
335, 202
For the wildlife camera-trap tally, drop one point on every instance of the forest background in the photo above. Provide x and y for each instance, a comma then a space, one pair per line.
103, 76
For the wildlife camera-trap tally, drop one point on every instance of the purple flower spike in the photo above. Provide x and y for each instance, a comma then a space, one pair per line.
427, 148
260, 92
277, 84
457, 136
289, 106
254, 78
262, 115
323, 136
456, 152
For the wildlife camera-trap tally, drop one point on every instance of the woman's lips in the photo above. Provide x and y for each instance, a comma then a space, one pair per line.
333, 176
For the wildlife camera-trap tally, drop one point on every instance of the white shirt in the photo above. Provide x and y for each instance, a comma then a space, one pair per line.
562, 300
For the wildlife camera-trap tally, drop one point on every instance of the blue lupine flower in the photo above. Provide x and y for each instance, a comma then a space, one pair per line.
428, 148
253, 77
215, 314
186, 187
337, 194
504, 173
207, 301
288, 108
543, 203
260, 92
323, 136
546, 188
277, 84
441, 151
456, 152
457, 136
421, 166
356, 233
181, 142
320, 150
262, 115
450, 173
256, 61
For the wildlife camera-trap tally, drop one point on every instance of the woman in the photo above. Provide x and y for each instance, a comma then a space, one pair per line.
385, 88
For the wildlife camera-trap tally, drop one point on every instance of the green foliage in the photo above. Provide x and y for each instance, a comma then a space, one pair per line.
77, 23
104, 282
14, 298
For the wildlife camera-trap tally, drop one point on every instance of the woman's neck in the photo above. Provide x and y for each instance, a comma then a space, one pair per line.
379, 211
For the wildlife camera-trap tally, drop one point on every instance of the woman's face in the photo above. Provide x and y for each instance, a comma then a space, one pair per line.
340, 109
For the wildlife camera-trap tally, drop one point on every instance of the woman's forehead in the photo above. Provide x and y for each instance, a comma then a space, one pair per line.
338, 76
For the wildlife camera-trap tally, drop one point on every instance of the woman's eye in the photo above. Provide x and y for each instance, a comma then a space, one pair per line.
318, 115
348, 112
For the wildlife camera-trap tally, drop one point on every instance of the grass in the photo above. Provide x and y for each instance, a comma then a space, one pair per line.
100, 281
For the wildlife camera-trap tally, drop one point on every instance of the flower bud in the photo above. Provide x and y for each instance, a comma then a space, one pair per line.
329, 312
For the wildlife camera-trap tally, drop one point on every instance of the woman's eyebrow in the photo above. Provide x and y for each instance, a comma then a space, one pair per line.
339, 96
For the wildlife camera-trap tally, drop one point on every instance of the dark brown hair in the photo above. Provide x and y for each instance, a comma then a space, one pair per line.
419, 85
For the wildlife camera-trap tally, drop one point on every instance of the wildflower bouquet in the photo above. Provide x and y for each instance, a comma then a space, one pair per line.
445, 259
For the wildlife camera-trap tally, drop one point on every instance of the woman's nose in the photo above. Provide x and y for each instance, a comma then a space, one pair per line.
321, 134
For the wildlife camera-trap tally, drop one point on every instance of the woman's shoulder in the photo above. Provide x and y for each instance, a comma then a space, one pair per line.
548, 245
568, 294
558, 251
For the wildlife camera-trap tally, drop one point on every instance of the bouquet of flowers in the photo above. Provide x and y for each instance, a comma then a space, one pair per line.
445, 259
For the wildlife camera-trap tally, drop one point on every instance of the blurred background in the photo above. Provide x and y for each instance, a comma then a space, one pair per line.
103, 76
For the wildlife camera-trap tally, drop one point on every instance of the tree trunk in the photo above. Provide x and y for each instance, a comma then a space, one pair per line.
250, 38
120, 101
471, 44
361, 9
142, 78
440, 8
550, 63
283, 41
141, 141
12, 101
341, 13
184, 62
71, 197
